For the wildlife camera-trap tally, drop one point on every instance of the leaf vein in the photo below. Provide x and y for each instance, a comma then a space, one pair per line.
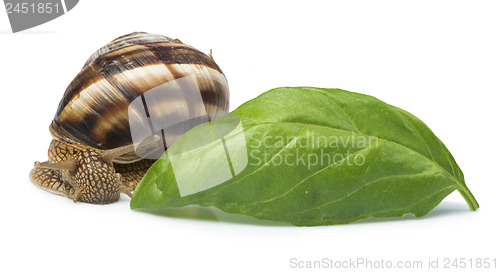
338, 105
417, 132
333, 128
378, 137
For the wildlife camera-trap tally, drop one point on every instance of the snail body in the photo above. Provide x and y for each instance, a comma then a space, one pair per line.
92, 157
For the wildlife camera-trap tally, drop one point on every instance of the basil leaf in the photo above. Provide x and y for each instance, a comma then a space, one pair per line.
307, 156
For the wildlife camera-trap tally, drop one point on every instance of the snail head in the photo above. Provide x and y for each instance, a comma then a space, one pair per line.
90, 172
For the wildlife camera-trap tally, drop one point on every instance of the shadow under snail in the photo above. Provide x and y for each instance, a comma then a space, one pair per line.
92, 157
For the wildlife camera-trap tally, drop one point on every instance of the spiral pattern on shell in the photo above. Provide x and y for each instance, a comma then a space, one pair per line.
94, 108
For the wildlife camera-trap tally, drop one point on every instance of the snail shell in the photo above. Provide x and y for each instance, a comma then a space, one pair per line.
94, 108
94, 113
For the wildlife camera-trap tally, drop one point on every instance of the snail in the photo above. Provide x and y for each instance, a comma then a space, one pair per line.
93, 157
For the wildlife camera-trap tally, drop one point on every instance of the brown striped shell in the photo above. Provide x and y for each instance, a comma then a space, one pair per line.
94, 110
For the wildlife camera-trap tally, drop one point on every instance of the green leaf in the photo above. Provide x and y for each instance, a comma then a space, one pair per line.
307, 156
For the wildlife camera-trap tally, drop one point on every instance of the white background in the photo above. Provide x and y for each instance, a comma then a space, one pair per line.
439, 60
